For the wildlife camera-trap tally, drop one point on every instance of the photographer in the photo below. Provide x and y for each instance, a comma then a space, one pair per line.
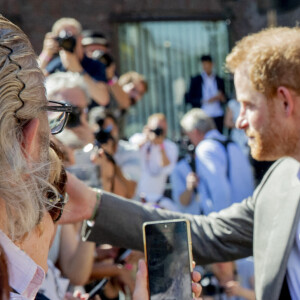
224, 172
184, 181
159, 156
65, 40
125, 91
119, 159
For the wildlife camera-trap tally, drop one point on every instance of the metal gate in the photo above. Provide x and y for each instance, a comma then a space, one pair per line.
168, 54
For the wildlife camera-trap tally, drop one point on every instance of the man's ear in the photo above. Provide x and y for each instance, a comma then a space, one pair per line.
31, 141
287, 100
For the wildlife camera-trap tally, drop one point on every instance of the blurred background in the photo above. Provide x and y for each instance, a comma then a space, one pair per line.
161, 39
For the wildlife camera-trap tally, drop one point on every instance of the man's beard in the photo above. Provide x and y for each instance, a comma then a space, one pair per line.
274, 141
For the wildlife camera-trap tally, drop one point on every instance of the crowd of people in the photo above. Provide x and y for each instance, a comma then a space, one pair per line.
73, 202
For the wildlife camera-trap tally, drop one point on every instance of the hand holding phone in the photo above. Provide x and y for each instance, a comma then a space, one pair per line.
168, 257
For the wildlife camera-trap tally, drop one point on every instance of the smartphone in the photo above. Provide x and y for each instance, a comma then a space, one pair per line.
168, 254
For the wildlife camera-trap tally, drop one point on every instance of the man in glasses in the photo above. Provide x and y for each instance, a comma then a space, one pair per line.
71, 89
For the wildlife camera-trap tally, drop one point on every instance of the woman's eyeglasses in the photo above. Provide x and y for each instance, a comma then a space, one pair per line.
58, 113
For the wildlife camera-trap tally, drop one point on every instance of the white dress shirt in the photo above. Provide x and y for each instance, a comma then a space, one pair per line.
209, 90
25, 276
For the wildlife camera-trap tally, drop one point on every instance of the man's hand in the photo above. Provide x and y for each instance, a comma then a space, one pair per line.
50, 46
218, 97
156, 139
70, 61
232, 288
82, 201
141, 288
191, 181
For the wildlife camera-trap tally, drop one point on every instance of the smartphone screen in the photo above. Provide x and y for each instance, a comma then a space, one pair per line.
168, 258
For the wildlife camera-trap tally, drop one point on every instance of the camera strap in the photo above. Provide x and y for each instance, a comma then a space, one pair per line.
225, 144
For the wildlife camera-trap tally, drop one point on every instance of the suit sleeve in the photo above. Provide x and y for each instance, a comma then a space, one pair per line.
194, 95
221, 85
222, 236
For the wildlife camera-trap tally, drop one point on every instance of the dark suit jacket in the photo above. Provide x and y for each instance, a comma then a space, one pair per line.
263, 225
194, 95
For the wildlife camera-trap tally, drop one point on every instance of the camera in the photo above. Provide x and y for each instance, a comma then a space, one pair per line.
103, 57
185, 147
74, 118
66, 41
102, 136
210, 285
157, 131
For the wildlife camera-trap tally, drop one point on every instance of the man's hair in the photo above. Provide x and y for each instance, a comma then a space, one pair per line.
159, 116
22, 95
98, 114
133, 77
272, 58
206, 58
60, 23
196, 118
60, 81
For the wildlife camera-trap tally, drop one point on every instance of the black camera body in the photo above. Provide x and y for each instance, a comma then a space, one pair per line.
211, 286
157, 131
66, 41
103, 57
102, 136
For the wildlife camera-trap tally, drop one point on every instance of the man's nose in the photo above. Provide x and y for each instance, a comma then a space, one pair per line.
241, 122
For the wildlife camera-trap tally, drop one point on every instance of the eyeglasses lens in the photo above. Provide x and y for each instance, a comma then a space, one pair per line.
56, 119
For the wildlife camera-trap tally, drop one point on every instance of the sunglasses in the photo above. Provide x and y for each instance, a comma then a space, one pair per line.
58, 114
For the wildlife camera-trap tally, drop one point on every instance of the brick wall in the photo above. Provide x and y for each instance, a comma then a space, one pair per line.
36, 17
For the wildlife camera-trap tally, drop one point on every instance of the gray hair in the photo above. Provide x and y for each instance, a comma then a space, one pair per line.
23, 183
65, 80
196, 118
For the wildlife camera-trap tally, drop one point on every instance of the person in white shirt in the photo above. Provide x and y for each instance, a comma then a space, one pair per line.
159, 156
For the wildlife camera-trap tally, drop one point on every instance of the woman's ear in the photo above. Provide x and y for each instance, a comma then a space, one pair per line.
287, 100
31, 141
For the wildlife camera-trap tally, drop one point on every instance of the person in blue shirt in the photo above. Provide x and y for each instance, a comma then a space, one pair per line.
184, 183
223, 171
56, 57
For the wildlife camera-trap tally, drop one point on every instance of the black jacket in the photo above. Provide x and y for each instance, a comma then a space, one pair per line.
194, 95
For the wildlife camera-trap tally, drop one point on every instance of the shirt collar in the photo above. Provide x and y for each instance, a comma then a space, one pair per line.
25, 276
214, 133
206, 76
